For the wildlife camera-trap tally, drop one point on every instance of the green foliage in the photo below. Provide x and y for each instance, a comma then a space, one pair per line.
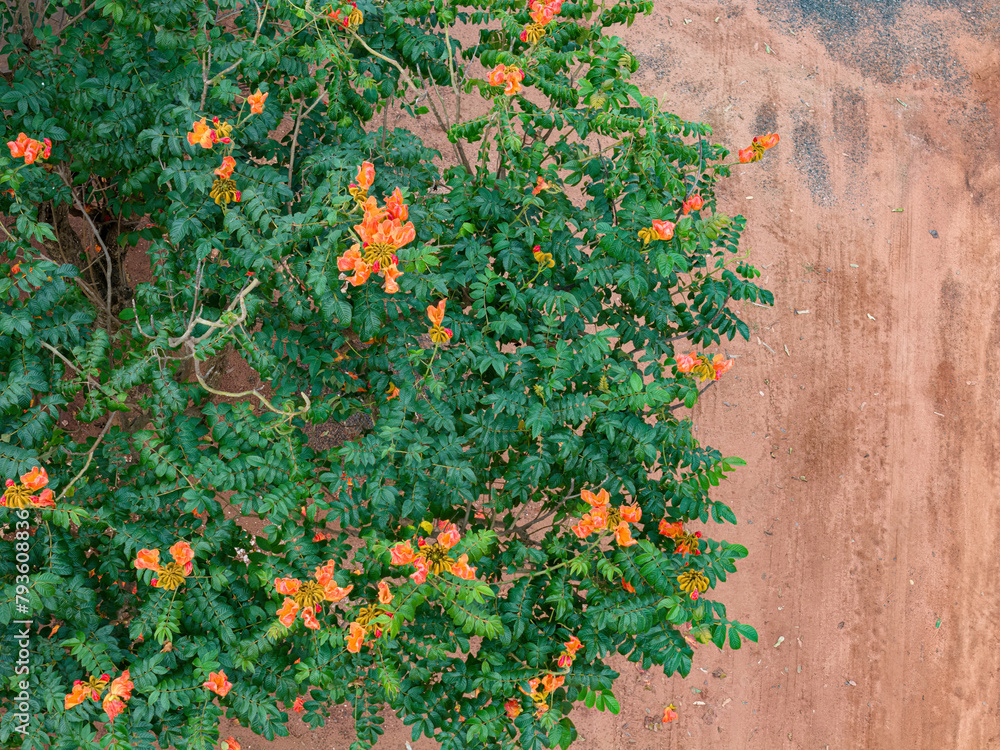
558, 377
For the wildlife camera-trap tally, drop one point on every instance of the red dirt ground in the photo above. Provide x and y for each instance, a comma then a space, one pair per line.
868, 418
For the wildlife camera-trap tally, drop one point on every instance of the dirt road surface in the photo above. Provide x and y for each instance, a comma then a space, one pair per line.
869, 418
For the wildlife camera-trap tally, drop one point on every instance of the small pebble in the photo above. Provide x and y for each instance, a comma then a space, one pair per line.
934, 233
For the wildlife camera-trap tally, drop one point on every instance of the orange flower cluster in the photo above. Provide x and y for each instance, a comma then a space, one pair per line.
206, 137
661, 230
510, 78
365, 624
431, 555
230, 744
382, 233
541, 689
171, 575
694, 203
702, 367
542, 14
226, 170
24, 495
438, 333
570, 648
755, 152
308, 597
540, 185
218, 683
685, 543
29, 148
257, 102
119, 692
346, 18
603, 517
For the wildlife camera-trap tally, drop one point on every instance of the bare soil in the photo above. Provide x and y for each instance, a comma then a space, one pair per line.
866, 400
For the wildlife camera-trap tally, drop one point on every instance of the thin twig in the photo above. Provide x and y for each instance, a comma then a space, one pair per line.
90, 456
74, 19
678, 406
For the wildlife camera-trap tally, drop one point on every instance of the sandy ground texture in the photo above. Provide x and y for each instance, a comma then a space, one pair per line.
865, 402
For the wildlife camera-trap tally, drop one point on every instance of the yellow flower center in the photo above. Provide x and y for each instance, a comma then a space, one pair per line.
379, 252
170, 576
366, 615
18, 496
439, 335
614, 517
223, 191
533, 32
310, 594
437, 556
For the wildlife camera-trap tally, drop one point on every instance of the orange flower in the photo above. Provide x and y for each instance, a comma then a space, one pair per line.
350, 259
623, 536
764, 142
669, 714
230, 744
631, 513
598, 500
366, 175
694, 203
513, 709
384, 595
299, 703
664, 229
226, 170
513, 76
402, 554
550, 682
201, 134
287, 586
597, 519
672, 530
390, 273
218, 684
583, 529
423, 568
750, 155
356, 638
324, 573
450, 537
309, 617
257, 102
148, 559
286, 615
81, 691
183, 555
686, 362
35, 479
436, 314
45, 500
392, 392
361, 273
721, 365
395, 208
495, 77
17, 147
462, 569
334, 593
391, 232
119, 691
573, 645
628, 586
541, 14
540, 185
